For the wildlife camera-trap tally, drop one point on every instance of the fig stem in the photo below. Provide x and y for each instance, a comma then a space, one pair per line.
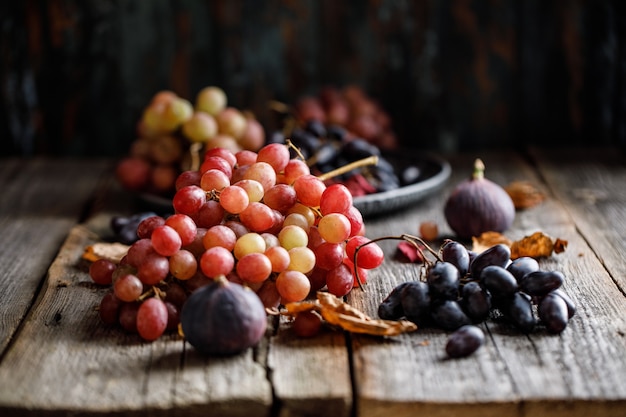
371, 160
479, 170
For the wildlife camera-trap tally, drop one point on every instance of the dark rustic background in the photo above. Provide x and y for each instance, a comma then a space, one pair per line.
453, 74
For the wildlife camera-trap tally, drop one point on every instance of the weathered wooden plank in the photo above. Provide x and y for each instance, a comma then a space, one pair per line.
41, 201
591, 185
65, 360
574, 373
311, 377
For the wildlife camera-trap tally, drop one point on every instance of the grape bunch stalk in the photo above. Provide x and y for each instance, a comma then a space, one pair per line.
259, 219
461, 289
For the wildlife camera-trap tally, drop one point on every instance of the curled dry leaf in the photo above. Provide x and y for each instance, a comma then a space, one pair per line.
335, 312
112, 251
537, 245
489, 239
524, 194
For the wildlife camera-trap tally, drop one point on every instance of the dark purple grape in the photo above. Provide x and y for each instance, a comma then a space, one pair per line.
476, 301
391, 307
316, 128
325, 154
415, 300
128, 234
443, 281
465, 341
553, 313
541, 282
304, 141
336, 132
522, 266
456, 254
498, 255
383, 180
448, 315
500, 282
571, 307
118, 222
519, 310
125, 228
276, 137
359, 149
472, 256
383, 164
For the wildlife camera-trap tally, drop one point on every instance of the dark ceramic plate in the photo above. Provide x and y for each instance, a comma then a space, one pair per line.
433, 173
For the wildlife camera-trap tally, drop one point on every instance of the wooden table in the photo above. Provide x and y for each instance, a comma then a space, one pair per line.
58, 359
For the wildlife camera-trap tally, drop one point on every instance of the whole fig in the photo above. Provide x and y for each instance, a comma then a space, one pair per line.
478, 205
223, 318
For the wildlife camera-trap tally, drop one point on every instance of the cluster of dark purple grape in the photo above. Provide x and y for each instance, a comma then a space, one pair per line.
328, 147
462, 289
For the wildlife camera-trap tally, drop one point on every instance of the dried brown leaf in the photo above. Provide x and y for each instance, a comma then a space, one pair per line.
524, 194
335, 312
537, 245
487, 240
111, 251
560, 245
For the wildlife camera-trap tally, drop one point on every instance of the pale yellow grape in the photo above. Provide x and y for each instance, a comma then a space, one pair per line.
306, 211
297, 219
253, 188
211, 100
292, 236
176, 112
200, 127
301, 259
151, 120
249, 243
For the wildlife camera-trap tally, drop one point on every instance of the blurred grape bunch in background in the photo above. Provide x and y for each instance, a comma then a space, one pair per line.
452, 74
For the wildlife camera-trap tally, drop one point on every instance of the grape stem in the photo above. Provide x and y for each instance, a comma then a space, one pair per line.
290, 144
152, 291
413, 240
371, 160
194, 150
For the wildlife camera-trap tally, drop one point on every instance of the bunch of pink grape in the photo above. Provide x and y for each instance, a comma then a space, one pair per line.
258, 218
